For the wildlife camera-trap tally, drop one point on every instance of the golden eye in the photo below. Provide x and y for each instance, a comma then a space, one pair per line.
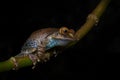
63, 30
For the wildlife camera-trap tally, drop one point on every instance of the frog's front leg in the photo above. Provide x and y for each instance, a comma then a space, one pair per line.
34, 58
42, 55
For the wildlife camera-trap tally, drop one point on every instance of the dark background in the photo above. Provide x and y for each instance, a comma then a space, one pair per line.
96, 56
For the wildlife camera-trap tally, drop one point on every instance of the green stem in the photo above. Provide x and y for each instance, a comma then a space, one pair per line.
90, 22
9, 64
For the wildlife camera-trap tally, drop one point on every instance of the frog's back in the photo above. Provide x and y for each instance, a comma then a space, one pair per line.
42, 33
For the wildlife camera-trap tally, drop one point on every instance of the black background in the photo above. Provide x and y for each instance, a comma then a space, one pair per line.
96, 56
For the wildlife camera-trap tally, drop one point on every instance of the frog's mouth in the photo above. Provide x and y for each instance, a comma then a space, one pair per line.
65, 39
69, 37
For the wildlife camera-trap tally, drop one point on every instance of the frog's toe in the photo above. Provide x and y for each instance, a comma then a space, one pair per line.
15, 63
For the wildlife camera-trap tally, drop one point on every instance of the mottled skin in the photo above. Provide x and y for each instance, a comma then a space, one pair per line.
44, 39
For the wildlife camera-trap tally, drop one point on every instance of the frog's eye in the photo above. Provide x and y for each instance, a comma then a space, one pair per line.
63, 30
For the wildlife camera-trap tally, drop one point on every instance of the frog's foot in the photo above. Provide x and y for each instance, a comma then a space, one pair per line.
46, 57
55, 53
42, 56
94, 17
15, 63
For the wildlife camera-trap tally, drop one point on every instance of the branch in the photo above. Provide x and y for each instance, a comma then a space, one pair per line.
8, 64
92, 19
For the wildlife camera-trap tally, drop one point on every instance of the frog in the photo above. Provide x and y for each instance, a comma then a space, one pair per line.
42, 40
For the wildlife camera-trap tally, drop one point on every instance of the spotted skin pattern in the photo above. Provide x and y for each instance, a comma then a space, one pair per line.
30, 44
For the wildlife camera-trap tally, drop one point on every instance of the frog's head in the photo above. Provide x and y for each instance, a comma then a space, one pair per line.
64, 34
61, 37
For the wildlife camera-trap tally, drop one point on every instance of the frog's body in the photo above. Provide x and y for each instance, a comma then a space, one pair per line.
38, 39
44, 39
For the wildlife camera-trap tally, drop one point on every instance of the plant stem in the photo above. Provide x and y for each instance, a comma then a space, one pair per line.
90, 22
9, 64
